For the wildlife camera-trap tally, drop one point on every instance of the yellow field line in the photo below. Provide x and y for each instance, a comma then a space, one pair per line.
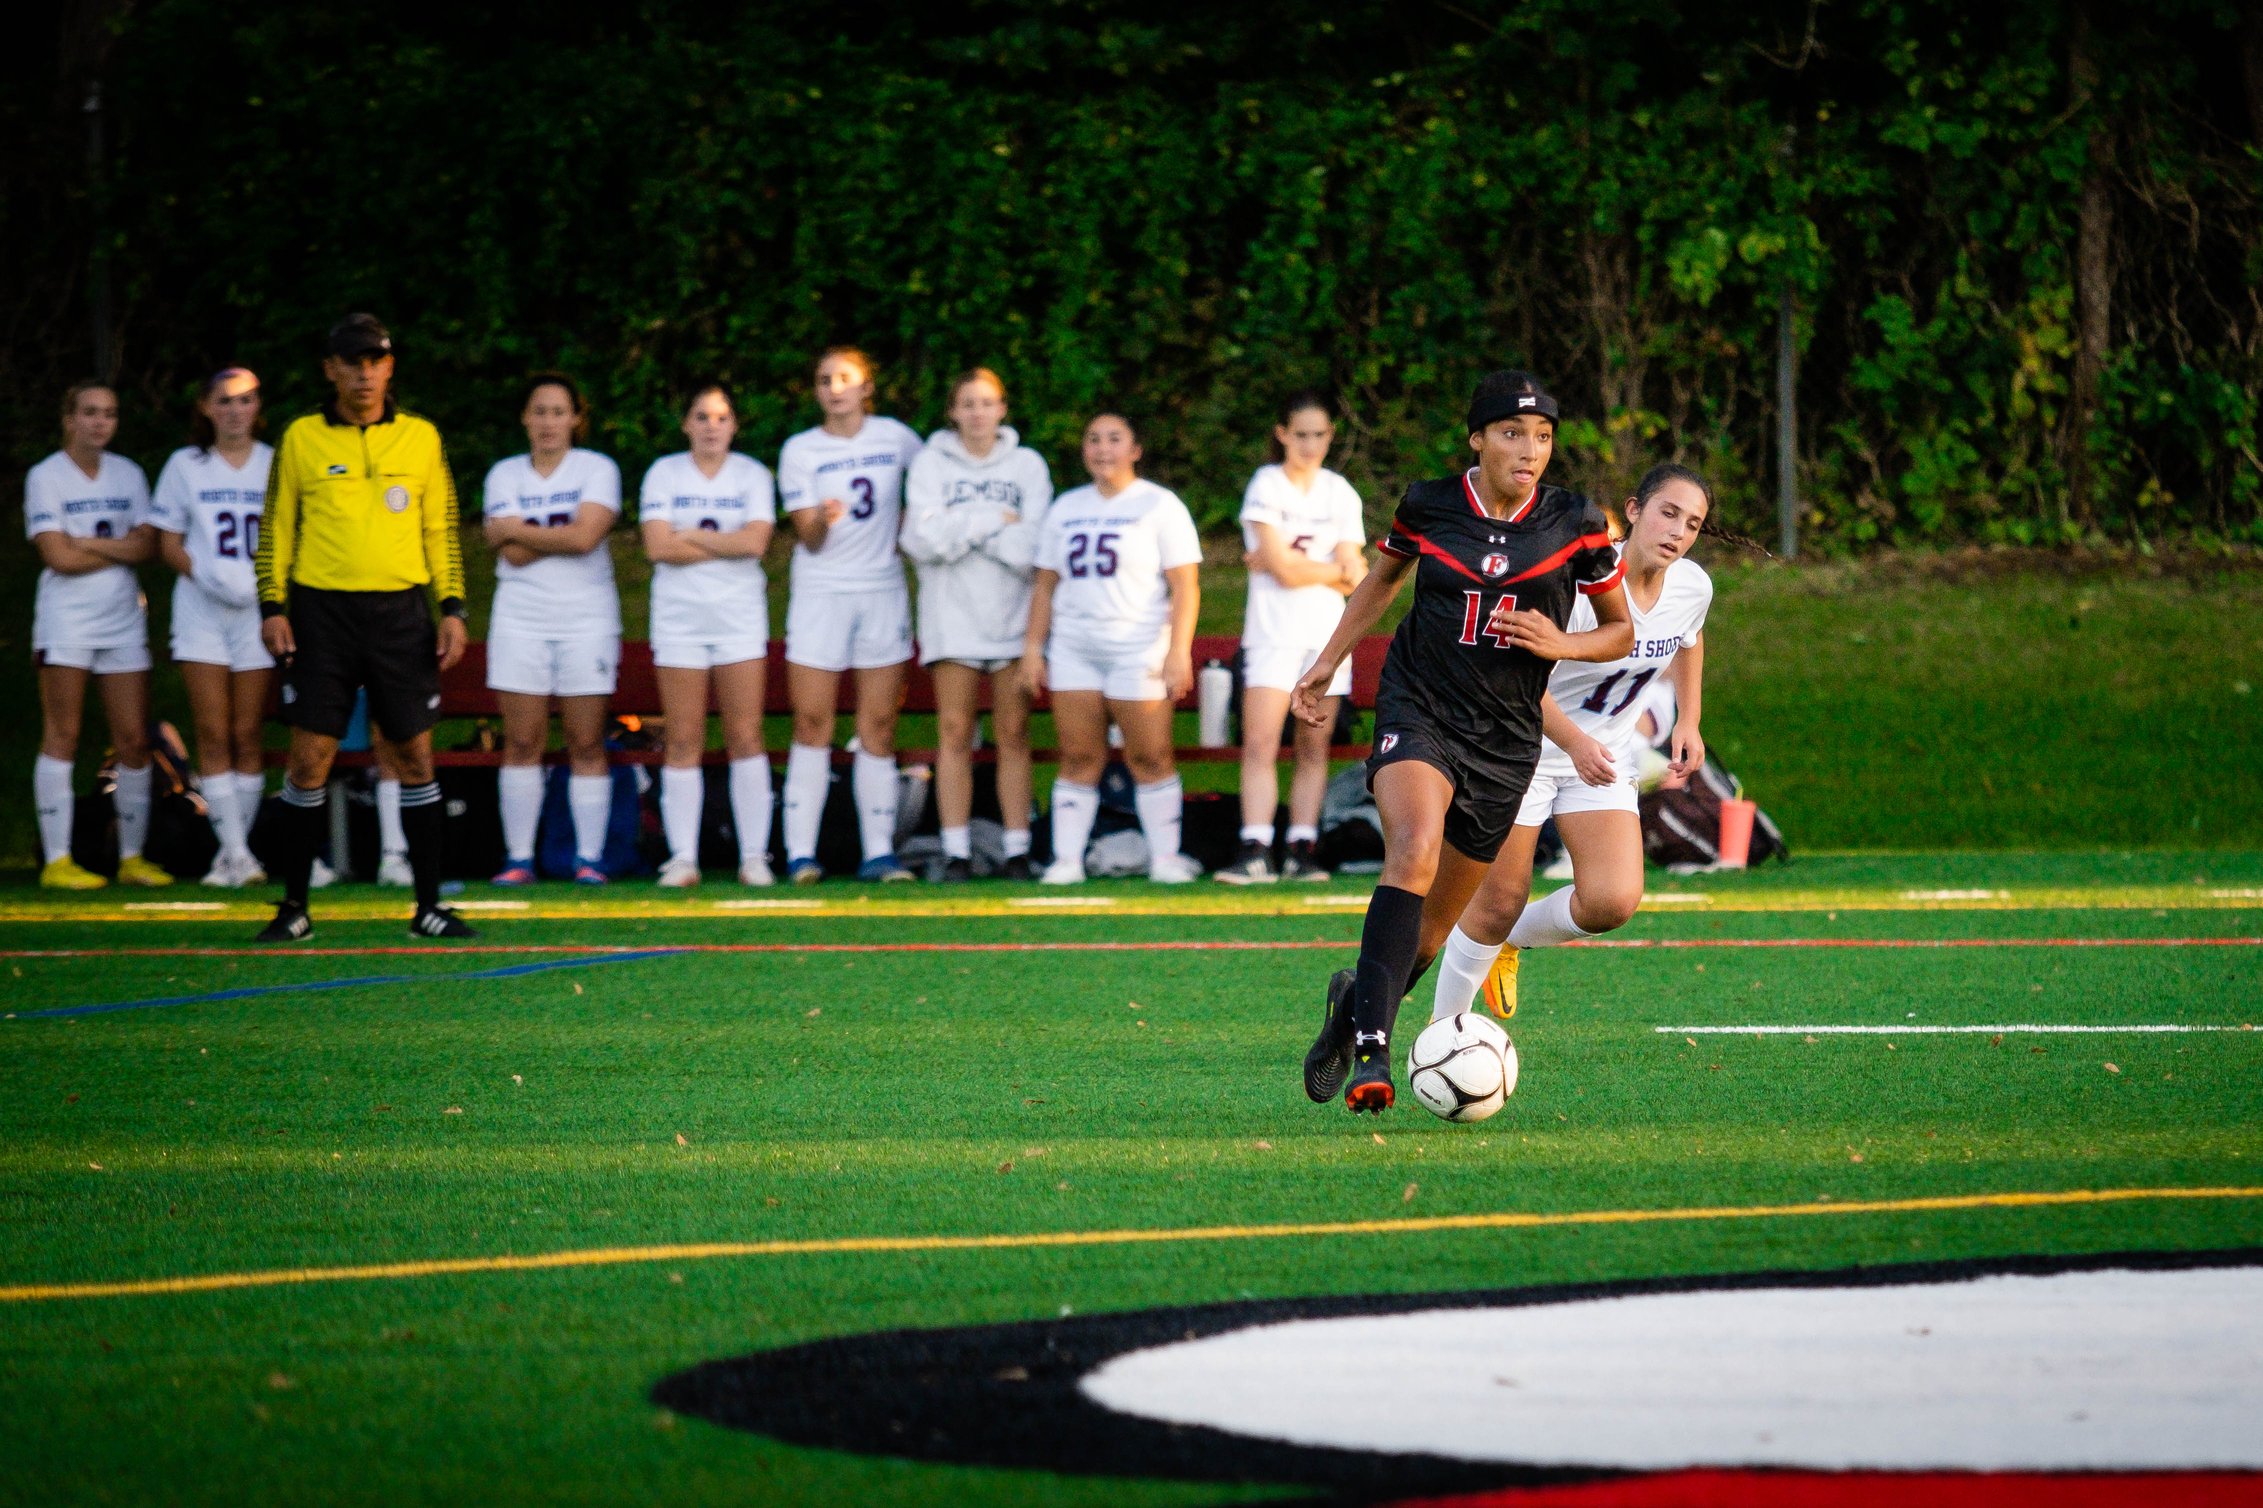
618, 1256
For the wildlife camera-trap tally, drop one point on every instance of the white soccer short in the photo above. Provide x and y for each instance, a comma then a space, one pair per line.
583, 666
1280, 667
698, 654
849, 630
1556, 789
206, 632
102, 659
1121, 674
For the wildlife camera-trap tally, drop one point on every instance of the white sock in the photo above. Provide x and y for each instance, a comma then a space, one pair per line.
1462, 966
1017, 842
521, 790
1160, 807
51, 791
809, 771
1074, 808
390, 839
1303, 832
958, 843
251, 795
229, 823
1254, 832
590, 799
751, 800
681, 795
1547, 921
132, 799
877, 788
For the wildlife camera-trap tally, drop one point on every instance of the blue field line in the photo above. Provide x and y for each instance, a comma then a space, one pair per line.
511, 971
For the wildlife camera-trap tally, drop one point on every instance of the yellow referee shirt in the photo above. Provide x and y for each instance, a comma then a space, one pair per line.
360, 508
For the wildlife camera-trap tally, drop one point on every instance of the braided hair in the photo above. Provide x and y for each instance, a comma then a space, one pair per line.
1669, 471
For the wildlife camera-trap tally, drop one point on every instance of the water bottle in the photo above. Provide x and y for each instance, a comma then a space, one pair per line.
1215, 687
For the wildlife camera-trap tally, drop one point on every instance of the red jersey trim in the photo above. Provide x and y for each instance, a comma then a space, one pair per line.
1469, 494
1598, 588
1584, 542
1437, 552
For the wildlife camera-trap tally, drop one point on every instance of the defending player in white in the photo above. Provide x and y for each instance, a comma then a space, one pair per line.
87, 513
1586, 775
1301, 533
974, 506
556, 627
210, 497
706, 516
1111, 634
842, 487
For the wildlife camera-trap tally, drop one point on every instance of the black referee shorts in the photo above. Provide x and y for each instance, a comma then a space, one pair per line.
384, 642
1488, 787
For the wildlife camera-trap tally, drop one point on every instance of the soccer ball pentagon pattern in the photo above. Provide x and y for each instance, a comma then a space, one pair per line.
1463, 1068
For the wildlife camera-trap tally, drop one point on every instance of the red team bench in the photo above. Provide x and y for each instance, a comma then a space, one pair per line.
464, 694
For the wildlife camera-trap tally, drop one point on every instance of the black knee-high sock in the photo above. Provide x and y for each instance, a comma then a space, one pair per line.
1387, 946
420, 824
305, 824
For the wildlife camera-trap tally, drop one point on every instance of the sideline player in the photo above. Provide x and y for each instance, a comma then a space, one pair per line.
1498, 559
1586, 775
706, 515
556, 627
87, 513
358, 538
1111, 633
1302, 528
974, 504
842, 487
207, 509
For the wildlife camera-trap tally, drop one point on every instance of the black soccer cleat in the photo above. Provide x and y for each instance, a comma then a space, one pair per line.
439, 921
1015, 868
1370, 1089
952, 872
1330, 1058
291, 924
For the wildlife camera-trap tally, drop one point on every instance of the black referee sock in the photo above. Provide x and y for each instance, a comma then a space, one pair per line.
1387, 945
305, 824
420, 824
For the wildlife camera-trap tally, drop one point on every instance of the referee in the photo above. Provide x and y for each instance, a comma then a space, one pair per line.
359, 536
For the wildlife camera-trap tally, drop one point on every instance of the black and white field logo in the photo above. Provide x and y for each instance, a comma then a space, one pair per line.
2020, 1381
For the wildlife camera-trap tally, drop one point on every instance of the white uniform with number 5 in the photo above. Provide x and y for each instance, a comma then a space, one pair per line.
1604, 699
850, 609
1111, 628
216, 508
1284, 628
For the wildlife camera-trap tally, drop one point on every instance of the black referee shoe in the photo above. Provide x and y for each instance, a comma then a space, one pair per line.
439, 921
291, 924
1330, 1058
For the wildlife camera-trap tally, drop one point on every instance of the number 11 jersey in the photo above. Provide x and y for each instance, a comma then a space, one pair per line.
1603, 698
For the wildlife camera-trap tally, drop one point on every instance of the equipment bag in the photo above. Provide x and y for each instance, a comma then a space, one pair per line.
1683, 827
554, 848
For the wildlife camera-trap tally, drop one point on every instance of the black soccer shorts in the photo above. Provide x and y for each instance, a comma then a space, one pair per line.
384, 642
1488, 787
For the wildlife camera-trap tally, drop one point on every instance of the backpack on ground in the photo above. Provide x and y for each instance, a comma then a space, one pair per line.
1682, 828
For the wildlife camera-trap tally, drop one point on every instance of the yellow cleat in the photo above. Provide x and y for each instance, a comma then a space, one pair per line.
139, 871
67, 873
1500, 992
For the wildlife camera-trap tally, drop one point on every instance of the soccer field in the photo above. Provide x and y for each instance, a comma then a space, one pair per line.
367, 1221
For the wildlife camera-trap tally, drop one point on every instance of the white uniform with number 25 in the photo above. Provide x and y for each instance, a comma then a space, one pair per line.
556, 627
850, 609
1603, 699
216, 508
1284, 628
1111, 626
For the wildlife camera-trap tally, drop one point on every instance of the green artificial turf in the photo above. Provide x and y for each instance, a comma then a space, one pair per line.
805, 1095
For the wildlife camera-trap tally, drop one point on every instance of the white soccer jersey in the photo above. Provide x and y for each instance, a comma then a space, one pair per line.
1604, 699
866, 472
1111, 553
215, 508
1311, 523
556, 596
101, 609
715, 600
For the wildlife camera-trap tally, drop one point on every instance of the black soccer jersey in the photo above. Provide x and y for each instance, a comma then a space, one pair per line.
1448, 668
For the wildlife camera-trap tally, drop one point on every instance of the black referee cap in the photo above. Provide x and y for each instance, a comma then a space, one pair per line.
1505, 395
360, 335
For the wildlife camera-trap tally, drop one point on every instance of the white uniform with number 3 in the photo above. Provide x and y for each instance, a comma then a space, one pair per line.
1604, 699
850, 609
556, 627
713, 612
216, 508
96, 621
1284, 628
1111, 626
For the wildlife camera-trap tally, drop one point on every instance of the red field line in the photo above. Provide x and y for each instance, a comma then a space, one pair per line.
1152, 946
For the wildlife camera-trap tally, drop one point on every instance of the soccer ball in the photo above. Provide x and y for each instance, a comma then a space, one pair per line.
1463, 1068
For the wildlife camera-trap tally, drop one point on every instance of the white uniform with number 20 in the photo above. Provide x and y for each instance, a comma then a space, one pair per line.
1111, 626
1603, 699
216, 508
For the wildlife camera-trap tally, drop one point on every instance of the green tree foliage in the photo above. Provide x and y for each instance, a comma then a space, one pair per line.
1185, 210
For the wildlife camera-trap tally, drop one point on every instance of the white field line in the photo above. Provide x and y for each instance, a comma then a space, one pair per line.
1063, 900
2029, 1027
2237, 892
1954, 895
1676, 898
769, 903
1337, 900
176, 905
462, 905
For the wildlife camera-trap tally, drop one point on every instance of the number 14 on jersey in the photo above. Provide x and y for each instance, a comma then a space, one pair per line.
1495, 625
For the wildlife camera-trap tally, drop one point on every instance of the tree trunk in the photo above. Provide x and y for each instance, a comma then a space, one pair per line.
2251, 55
2093, 271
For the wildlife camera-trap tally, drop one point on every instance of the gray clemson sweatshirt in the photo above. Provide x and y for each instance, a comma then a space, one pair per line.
971, 527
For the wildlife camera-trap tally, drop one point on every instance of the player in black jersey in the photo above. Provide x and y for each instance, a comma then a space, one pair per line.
1498, 559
